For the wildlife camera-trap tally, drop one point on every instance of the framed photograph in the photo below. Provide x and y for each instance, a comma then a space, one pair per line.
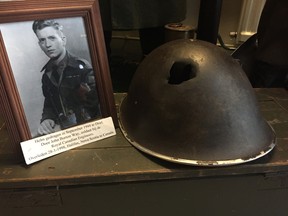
54, 70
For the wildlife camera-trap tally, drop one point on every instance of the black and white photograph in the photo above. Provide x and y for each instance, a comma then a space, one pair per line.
51, 64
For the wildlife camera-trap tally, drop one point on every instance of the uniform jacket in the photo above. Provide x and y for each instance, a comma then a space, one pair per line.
138, 14
74, 92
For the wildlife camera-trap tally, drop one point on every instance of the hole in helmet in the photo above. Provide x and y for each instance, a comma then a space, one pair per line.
181, 72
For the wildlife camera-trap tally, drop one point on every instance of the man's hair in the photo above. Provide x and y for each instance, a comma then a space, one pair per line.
40, 24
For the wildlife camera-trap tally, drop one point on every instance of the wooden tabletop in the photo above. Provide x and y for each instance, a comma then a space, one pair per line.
114, 160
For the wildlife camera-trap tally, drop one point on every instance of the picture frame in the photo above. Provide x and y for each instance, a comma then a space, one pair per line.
18, 14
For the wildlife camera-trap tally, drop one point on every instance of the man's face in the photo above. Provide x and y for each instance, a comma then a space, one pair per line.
51, 42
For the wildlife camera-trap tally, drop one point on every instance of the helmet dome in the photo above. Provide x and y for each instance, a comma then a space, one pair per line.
190, 102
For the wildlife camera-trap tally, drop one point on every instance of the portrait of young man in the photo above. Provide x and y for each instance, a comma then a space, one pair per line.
68, 82
51, 65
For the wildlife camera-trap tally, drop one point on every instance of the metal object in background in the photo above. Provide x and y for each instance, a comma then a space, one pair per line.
174, 31
190, 102
208, 20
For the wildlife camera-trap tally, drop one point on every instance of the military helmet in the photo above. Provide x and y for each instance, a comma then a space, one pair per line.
190, 102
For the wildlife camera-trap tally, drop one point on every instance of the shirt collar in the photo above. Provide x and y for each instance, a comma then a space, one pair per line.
51, 64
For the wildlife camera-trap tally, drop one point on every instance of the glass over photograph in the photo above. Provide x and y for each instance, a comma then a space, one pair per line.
51, 64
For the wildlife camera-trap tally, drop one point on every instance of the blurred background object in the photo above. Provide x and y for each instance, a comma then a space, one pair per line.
128, 44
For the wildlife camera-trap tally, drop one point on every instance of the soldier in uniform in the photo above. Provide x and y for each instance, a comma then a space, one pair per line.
68, 82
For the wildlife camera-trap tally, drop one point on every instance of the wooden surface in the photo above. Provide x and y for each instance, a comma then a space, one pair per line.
114, 160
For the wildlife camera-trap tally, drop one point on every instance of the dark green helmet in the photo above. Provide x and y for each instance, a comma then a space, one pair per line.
190, 102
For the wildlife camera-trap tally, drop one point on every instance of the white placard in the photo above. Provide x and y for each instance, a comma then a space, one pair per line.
48, 145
